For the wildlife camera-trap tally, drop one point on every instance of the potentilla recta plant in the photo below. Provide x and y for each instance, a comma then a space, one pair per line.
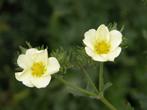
101, 45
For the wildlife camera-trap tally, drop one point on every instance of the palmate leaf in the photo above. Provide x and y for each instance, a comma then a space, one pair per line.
72, 58
63, 58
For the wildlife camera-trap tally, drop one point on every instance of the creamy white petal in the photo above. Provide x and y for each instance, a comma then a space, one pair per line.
41, 56
24, 61
32, 51
34, 56
115, 38
112, 55
24, 77
99, 58
53, 65
90, 37
93, 55
102, 33
41, 82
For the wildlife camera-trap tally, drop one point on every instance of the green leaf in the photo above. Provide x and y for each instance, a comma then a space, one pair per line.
72, 58
129, 107
107, 85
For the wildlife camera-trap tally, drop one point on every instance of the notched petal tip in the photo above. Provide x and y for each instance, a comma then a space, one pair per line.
89, 38
102, 33
41, 82
24, 61
114, 54
32, 51
102, 27
89, 32
24, 78
17, 75
115, 38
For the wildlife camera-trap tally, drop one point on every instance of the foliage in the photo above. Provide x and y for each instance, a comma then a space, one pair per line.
60, 26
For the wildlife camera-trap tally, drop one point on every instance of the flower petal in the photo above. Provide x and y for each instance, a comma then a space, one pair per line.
94, 56
115, 38
32, 51
41, 56
41, 82
90, 37
24, 77
24, 61
53, 65
102, 33
38, 55
114, 54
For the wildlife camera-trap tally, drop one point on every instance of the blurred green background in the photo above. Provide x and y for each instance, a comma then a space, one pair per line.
62, 23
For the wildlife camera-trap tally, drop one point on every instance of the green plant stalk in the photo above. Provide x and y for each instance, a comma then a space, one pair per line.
101, 79
76, 87
107, 103
89, 80
101, 87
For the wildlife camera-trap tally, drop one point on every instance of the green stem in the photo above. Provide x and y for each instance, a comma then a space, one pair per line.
76, 87
107, 103
101, 87
89, 80
101, 79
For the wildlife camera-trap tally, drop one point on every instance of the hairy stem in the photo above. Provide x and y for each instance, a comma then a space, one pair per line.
89, 80
101, 79
107, 103
76, 87
101, 87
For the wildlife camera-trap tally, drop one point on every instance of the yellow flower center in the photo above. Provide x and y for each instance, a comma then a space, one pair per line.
102, 47
38, 69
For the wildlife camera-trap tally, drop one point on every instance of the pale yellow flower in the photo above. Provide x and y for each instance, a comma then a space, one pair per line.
103, 45
37, 68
